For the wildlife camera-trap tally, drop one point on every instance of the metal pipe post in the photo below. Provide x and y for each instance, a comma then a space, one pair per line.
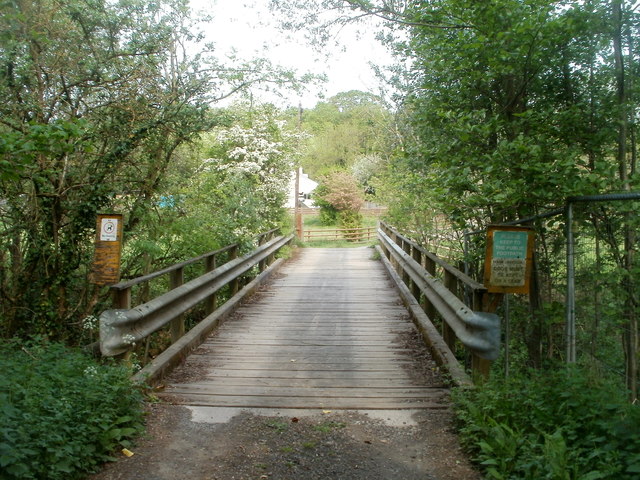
570, 302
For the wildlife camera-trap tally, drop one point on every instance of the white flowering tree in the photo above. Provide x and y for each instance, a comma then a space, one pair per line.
243, 184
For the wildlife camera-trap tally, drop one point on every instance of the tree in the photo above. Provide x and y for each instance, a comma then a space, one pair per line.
507, 108
98, 98
340, 199
342, 129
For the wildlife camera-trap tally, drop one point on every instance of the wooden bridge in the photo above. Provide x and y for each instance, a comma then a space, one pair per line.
333, 328
330, 332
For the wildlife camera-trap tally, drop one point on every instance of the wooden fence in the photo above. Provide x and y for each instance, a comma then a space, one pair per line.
355, 235
373, 212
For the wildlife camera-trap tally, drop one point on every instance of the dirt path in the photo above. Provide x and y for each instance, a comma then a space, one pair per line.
182, 443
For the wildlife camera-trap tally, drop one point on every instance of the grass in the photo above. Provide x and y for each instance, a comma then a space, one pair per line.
279, 427
312, 222
327, 427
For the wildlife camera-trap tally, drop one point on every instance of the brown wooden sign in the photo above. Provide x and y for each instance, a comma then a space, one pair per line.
508, 259
108, 243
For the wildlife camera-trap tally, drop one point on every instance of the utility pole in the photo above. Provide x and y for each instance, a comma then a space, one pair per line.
297, 213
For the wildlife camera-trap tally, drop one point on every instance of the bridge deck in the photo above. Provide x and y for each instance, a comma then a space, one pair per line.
328, 333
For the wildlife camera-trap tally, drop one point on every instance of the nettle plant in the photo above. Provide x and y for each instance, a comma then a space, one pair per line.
62, 413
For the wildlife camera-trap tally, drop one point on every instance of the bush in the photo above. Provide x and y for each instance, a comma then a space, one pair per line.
61, 413
551, 425
340, 198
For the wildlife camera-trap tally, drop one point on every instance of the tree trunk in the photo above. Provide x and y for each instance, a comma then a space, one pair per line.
630, 327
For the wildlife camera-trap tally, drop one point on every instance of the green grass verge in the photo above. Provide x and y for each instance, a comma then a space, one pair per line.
555, 424
312, 222
61, 413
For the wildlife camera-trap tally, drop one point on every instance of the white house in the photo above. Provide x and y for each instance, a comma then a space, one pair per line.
306, 187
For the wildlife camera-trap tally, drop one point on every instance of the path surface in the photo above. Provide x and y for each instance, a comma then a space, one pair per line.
321, 375
330, 333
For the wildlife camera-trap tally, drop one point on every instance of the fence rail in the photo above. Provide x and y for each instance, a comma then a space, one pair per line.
122, 327
367, 211
473, 325
364, 234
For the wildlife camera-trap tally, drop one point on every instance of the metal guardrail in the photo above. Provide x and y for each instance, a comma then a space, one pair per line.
121, 329
478, 331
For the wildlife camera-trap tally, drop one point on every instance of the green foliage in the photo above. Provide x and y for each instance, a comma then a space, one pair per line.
342, 130
99, 103
61, 413
349, 219
328, 427
555, 424
340, 198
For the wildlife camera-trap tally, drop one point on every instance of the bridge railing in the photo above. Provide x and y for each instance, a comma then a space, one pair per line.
477, 329
123, 326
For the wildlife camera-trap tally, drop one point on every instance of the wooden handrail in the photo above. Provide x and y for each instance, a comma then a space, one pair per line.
145, 278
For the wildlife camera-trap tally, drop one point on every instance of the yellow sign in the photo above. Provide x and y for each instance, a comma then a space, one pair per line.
106, 262
508, 260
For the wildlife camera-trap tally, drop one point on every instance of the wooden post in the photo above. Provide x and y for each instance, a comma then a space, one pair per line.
234, 284
489, 302
430, 266
122, 299
480, 369
394, 263
406, 278
177, 324
449, 336
262, 263
417, 256
211, 302
271, 257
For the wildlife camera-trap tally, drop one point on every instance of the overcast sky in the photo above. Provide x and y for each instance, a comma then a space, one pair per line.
249, 27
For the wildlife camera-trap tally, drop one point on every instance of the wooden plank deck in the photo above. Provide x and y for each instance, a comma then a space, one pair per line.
329, 333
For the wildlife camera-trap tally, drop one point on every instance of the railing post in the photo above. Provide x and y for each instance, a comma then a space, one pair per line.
449, 336
394, 263
122, 298
429, 266
261, 242
387, 252
177, 324
486, 302
271, 258
417, 256
211, 302
234, 285
406, 278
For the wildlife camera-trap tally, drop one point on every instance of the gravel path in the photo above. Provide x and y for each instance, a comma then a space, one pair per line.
183, 443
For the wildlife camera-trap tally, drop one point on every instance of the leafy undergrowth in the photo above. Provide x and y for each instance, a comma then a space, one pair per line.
560, 425
61, 413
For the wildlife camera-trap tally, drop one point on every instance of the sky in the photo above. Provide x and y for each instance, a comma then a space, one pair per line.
250, 28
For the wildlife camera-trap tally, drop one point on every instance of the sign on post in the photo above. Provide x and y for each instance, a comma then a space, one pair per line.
106, 262
508, 260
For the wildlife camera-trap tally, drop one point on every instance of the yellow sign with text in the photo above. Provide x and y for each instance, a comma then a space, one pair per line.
108, 248
509, 258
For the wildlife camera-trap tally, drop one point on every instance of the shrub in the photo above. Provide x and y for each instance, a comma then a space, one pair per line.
61, 413
340, 199
551, 425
